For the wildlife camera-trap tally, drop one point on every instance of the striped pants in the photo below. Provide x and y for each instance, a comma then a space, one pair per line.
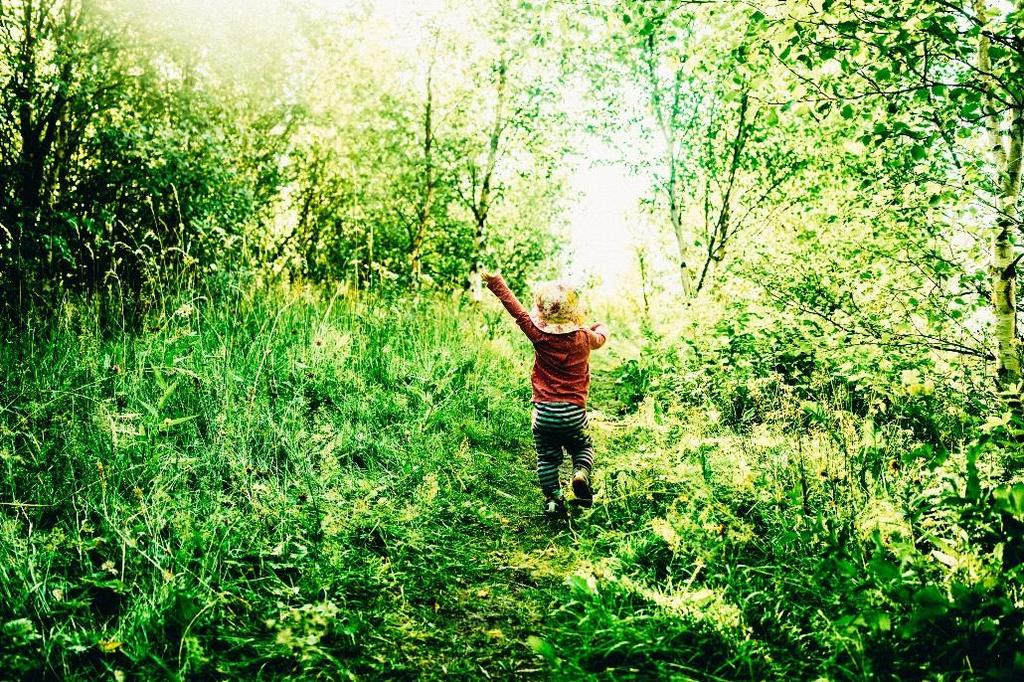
558, 426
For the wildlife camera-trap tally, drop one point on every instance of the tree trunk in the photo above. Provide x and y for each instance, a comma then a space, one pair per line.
41, 124
425, 209
1004, 265
1003, 271
723, 224
666, 123
641, 261
685, 276
1004, 302
482, 207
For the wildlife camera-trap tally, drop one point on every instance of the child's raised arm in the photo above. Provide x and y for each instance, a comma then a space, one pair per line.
496, 283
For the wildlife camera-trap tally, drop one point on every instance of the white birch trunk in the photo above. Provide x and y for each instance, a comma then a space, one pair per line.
1004, 260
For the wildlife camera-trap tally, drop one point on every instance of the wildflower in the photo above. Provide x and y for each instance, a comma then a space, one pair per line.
110, 645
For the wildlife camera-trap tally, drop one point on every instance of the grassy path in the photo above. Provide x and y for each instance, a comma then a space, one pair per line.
480, 624
265, 490
274, 492
500, 612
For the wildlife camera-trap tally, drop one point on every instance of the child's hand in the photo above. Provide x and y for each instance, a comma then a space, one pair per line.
599, 335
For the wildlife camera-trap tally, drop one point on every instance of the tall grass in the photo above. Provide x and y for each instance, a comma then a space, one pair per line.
251, 485
282, 485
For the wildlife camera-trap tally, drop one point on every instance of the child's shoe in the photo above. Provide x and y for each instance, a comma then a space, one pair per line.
581, 487
554, 505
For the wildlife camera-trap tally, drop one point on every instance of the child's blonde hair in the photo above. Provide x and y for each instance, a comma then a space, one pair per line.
557, 304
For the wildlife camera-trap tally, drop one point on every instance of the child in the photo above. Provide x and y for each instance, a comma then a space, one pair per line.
561, 379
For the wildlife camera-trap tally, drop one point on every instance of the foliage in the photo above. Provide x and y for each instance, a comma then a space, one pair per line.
934, 79
134, 158
266, 482
703, 80
119, 162
251, 425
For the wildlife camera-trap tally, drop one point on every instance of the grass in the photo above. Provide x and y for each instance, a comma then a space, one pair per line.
279, 485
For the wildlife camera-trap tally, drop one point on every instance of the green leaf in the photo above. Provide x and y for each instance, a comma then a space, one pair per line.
930, 601
846, 568
847, 111
1010, 499
973, 485
171, 423
879, 621
168, 392
918, 152
813, 411
542, 647
579, 584
884, 570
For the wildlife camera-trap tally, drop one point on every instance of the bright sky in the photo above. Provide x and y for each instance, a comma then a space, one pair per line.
607, 198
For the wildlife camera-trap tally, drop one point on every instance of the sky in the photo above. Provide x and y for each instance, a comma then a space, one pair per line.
601, 217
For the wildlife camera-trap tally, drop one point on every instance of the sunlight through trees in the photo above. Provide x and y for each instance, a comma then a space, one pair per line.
257, 418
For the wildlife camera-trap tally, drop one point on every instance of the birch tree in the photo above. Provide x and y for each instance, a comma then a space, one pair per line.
1004, 115
511, 125
428, 185
722, 166
949, 75
478, 185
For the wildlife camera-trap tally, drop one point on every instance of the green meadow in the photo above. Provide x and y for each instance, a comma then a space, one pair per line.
279, 484
261, 420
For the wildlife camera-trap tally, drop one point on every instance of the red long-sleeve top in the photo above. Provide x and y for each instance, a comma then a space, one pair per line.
561, 366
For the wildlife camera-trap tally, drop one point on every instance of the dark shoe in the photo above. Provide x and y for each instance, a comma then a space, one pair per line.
554, 506
581, 488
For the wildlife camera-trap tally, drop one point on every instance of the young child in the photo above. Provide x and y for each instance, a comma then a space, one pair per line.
561, 380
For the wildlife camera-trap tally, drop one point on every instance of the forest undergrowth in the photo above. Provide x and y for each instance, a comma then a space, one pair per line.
280, 485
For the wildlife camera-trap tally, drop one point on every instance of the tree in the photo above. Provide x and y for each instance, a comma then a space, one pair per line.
512, 124
418, 185
949, 75
60, 73
121, 160
478, 188
723, 164
428, 192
